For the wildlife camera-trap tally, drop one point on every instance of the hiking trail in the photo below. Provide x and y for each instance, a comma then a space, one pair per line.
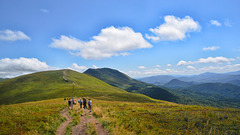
62, 127
64, 78
87, 118
81, 128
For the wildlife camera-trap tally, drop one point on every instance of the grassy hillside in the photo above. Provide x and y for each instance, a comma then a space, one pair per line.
120, 80
32, 118
51, 84
114, 78
165, 118
119, 118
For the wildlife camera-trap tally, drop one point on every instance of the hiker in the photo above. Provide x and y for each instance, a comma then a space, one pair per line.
80, 102
74, 102
84, 103
90, 104
69, 103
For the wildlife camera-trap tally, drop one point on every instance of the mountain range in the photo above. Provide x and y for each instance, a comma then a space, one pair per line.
231, 77
110, 84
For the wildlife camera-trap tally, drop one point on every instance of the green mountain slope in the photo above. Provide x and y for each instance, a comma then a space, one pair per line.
223, 89
55, 84
175, 83
120, 80
213, 94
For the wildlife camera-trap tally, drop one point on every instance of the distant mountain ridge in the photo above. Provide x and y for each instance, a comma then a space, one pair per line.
175, 84
207, 77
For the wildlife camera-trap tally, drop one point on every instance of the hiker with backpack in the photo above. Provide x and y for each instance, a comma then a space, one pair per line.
84, 103
69, 104
80, 102
90, 104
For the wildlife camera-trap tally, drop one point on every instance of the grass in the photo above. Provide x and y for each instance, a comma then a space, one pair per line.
165, 118
91, 129
117, 117
42, 117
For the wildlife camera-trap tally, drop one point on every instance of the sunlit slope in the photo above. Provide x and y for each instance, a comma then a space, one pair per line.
121, 80
51, 84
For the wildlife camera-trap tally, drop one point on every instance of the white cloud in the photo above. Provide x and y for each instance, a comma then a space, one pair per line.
14, 67
215, 60
174, 28
182, 62
158, 66
142, 67
110, 42
169, 65
9, 35
212, 48
215, 22
151, 72
191, 67
94, 66
125, 53
78, 68
44, 10
206, 60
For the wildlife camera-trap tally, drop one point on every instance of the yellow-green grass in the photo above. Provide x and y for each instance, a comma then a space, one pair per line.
41, 117
165, 118
51, 84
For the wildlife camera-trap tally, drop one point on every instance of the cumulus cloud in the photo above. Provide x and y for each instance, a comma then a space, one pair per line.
158, 66
9, 35
142, 67
110, 42
191, 67
174, 28
212, 48
206, 60
215, 22
78, 68
169, 65
14, 67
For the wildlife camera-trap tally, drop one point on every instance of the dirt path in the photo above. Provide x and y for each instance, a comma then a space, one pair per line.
62, 127
87, 118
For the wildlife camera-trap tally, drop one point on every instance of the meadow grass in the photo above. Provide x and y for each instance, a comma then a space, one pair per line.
118, 117
91, 129
165, 118
42, 117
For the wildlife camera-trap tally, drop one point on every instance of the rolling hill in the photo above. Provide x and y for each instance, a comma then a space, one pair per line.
58, 84
176, 84
223, 89
120, 80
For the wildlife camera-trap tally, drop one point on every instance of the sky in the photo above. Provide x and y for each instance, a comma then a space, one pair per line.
137, 37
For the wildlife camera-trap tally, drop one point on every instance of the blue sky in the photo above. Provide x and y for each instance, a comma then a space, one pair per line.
138, 37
